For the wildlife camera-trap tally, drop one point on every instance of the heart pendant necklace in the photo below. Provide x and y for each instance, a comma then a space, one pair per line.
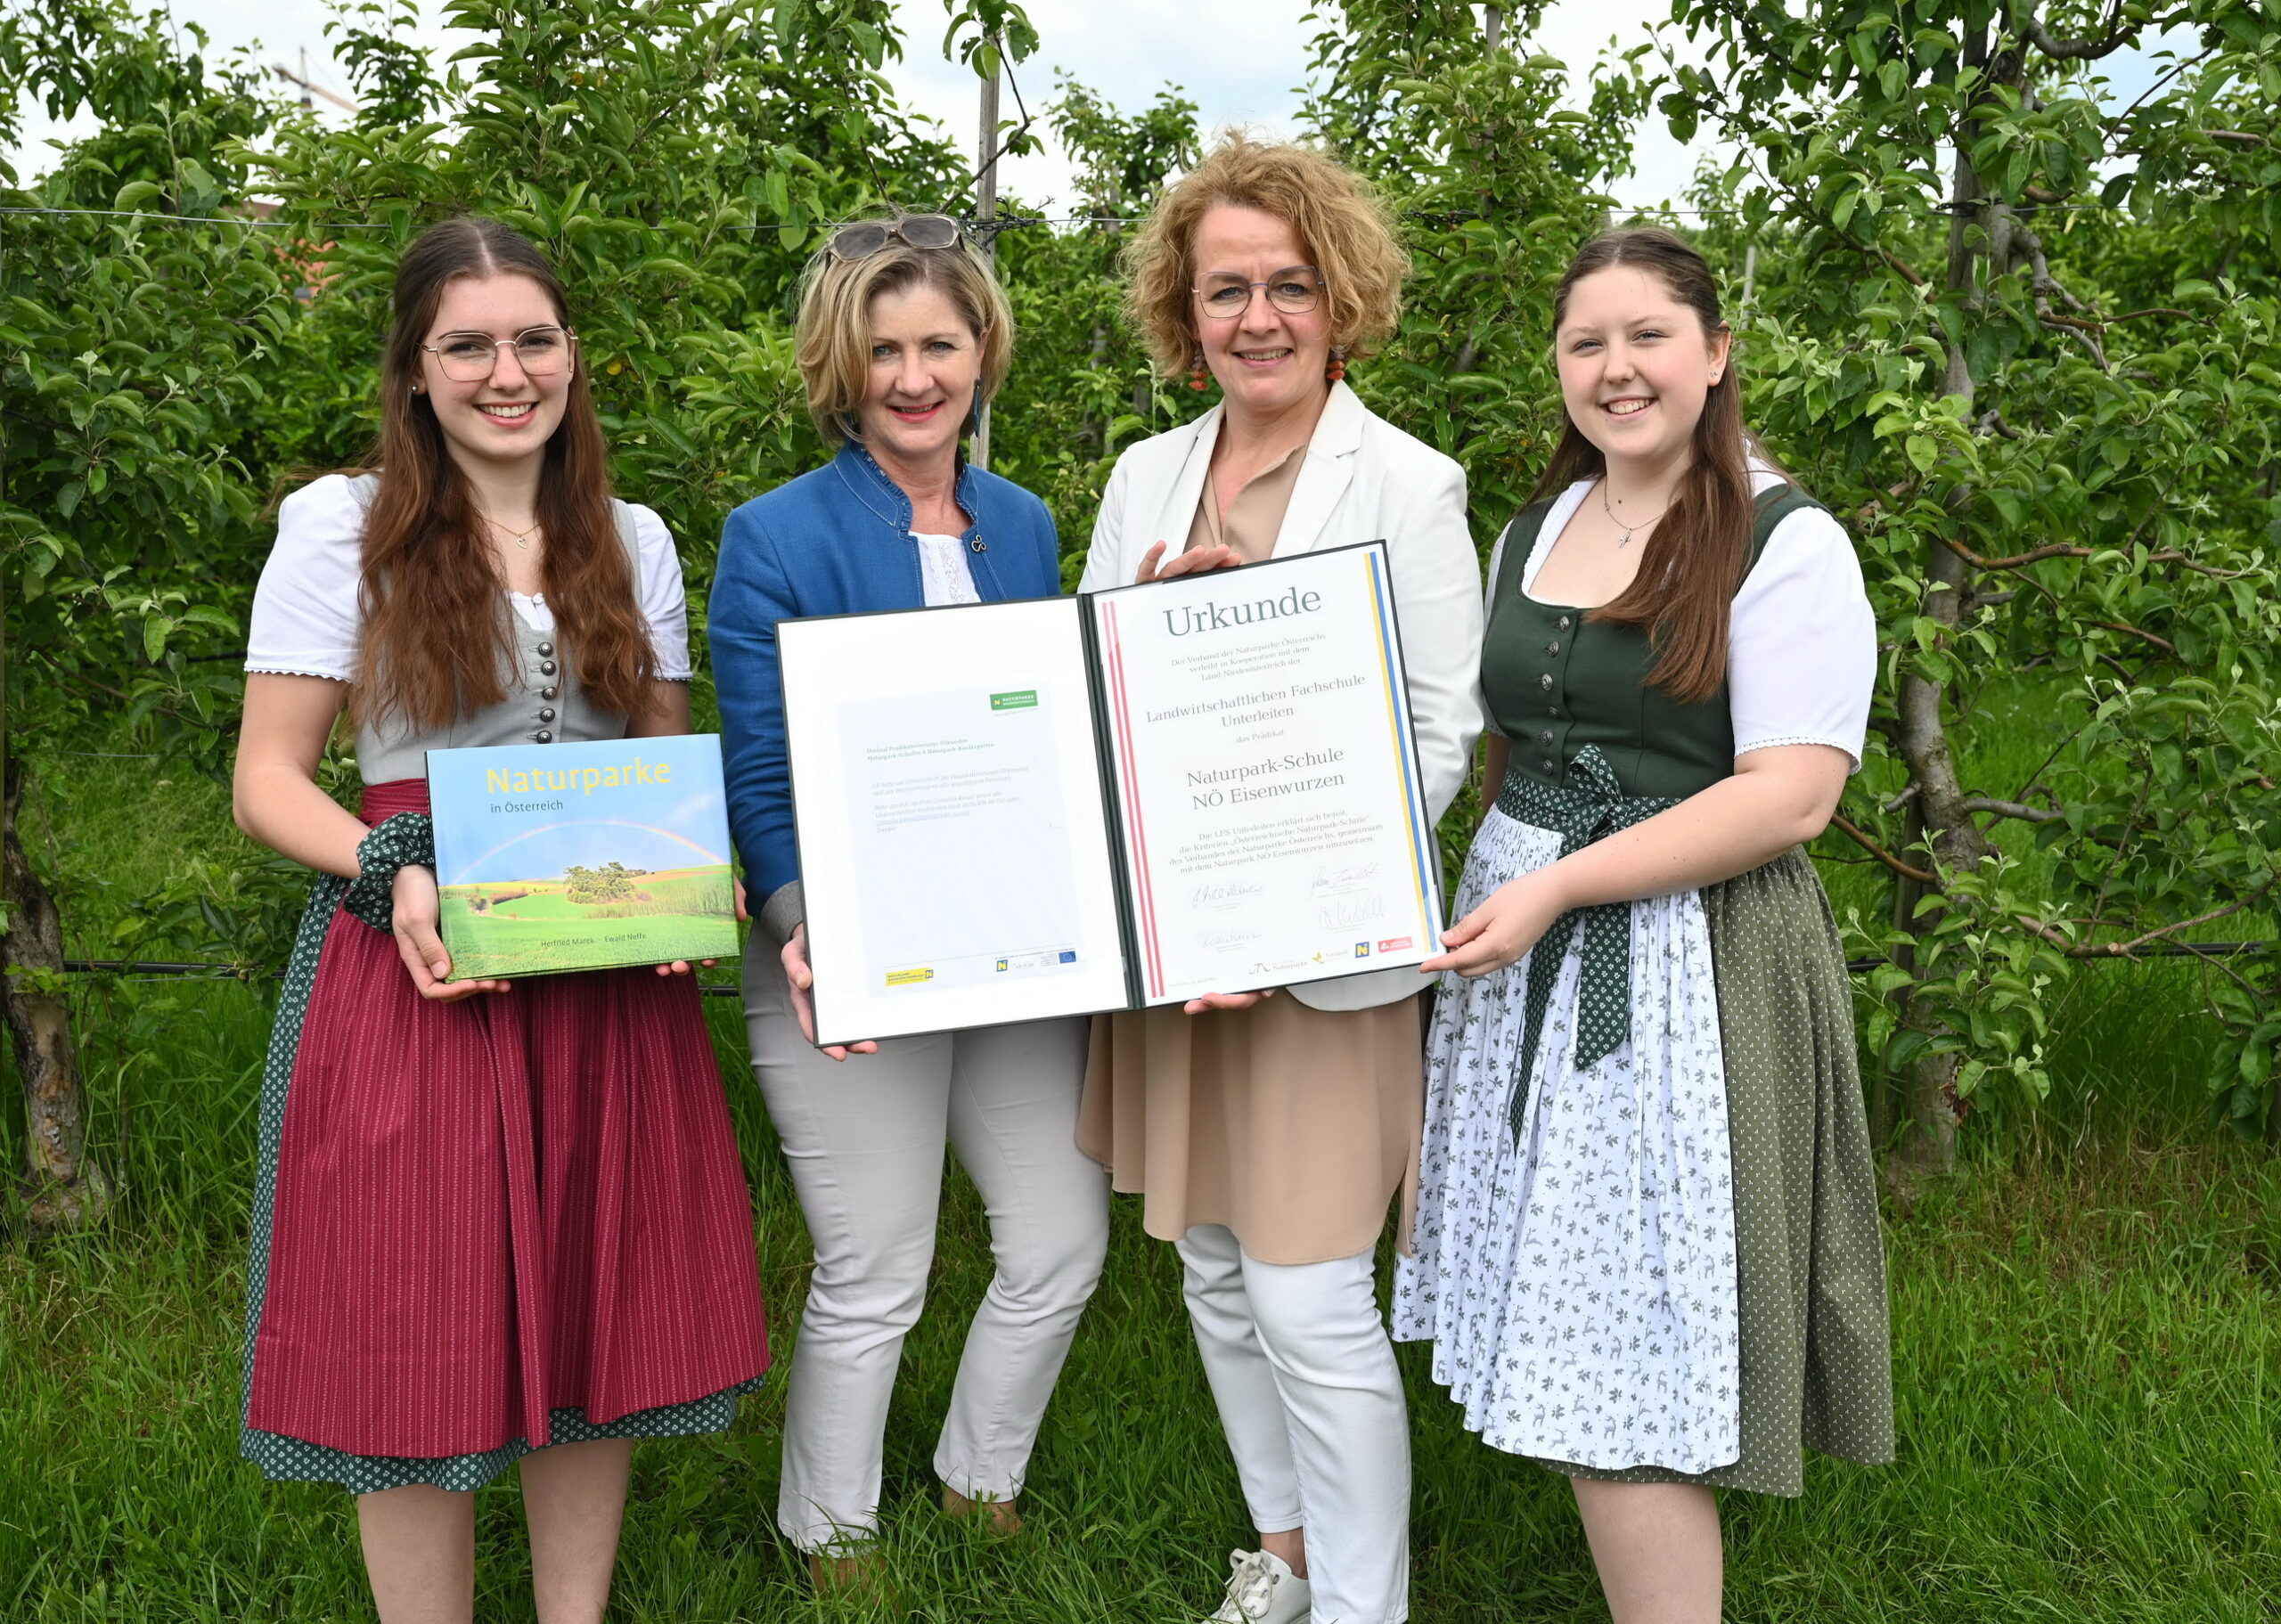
521, 538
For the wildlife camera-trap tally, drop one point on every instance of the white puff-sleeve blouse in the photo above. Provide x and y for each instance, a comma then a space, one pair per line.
1801, 639
305, 620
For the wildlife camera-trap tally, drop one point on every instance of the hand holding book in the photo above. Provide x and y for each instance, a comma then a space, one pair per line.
419, 942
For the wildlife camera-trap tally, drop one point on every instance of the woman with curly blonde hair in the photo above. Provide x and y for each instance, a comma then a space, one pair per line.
1270, 1134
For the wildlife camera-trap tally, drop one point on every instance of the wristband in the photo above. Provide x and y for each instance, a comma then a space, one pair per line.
403, 841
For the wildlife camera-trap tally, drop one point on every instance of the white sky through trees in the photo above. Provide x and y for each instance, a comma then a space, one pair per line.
1242, 61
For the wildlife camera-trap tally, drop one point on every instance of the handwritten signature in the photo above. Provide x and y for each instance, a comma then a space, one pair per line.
1223, 941
1348, 912
1222, 895
1329, 881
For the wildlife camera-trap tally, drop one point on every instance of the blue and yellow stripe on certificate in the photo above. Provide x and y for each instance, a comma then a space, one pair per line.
1398, 723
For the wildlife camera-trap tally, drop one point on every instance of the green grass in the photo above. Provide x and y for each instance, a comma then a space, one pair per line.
2088, 1354
683, 913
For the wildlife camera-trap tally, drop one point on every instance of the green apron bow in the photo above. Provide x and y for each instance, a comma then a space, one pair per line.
1588, 805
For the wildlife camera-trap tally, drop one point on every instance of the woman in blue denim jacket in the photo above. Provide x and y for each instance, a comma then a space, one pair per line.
902, 335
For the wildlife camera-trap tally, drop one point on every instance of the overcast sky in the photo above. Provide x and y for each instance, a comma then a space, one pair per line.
1244, 65
1248, 71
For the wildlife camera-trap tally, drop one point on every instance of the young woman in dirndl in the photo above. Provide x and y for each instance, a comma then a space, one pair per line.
1646, 1251
493, 1223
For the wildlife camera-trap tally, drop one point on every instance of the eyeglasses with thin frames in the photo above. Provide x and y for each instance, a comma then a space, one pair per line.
1295, 290
469, 357
866, 238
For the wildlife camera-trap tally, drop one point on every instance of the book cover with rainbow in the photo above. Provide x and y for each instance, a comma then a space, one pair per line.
582, 856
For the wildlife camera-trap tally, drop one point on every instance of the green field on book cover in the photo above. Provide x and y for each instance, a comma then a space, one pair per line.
582, 857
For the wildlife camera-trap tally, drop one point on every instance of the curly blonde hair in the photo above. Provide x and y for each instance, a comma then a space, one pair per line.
1339, 219
832, 339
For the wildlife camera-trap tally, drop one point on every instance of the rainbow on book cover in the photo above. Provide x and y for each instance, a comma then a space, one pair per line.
582, 856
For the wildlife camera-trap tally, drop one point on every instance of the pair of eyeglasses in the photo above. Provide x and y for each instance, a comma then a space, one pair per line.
467, 358
865, 238
1295, 290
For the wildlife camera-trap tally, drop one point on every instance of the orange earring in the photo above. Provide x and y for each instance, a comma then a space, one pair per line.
1335, 372
1196, 373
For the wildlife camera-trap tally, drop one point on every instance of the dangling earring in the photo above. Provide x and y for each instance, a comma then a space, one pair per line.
1335, 372
1196, 373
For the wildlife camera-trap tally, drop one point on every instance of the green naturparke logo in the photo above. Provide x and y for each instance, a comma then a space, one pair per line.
1022, 699
584, 780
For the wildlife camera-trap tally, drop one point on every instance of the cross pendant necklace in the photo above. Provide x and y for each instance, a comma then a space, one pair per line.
1625, 539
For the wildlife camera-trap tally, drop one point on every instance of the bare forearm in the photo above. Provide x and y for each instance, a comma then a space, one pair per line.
285, 810
1496, 750
665, 713
1728, 829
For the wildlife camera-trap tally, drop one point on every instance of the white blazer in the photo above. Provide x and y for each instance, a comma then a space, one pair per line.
1364, 480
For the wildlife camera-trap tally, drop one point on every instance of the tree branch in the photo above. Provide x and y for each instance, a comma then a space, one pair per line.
2010, 809
2031, 28
1902, 267
2176, 68
2162, 643
2127, 950
2234, 906
1838, 820
2065, 550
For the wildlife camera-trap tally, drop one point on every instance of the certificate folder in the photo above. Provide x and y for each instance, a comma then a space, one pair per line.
1008, 811
582, 856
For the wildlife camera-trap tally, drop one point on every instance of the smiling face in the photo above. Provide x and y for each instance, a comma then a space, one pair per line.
510, 415
1635, 367
1268, 363
925, 360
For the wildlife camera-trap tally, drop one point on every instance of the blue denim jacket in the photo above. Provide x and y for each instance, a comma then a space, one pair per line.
834, 542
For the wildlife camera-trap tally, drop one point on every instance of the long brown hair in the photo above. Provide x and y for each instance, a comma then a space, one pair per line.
1693, 564
437, 641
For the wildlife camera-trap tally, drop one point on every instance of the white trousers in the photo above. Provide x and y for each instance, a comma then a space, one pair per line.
1310, 1400
864, 1139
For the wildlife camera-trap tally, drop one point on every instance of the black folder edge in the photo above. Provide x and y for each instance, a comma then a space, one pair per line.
1112, 806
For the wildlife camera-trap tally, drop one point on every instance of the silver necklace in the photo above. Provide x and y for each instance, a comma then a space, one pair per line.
1624, 540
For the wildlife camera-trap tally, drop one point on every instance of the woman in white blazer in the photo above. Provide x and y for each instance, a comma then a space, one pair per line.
1269, 1133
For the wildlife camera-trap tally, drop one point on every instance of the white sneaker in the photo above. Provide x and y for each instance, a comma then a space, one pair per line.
1262, 1589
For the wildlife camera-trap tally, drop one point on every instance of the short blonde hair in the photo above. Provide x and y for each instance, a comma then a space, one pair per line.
832, 343
1339, 218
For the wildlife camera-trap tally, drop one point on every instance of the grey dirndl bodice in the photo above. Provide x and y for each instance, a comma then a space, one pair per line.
544, 704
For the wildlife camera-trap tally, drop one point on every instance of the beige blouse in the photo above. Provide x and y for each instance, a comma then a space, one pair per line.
1293, 1127
1255, 517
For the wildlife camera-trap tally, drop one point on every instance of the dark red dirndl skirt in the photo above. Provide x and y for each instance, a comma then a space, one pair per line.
494, 1208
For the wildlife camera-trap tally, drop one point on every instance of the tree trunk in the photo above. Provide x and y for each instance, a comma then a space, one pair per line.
1920, 1125
67, 1189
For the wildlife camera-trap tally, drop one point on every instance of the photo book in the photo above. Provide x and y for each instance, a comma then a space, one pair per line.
582, 856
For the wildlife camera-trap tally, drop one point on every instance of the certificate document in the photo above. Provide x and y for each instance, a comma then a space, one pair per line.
955, 853
1266, 778
1007, 811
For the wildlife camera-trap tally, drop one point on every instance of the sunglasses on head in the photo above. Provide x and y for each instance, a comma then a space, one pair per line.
868, 237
